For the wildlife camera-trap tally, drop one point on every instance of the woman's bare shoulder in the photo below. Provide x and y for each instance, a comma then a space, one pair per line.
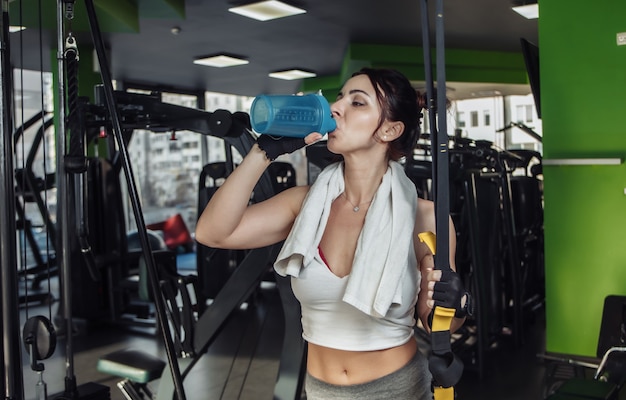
425, 206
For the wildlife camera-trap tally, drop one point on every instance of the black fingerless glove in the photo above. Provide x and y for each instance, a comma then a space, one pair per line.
275, 146
449, 291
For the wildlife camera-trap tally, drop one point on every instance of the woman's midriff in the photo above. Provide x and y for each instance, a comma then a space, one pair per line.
341, 367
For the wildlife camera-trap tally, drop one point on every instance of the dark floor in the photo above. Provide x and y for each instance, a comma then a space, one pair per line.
243, 361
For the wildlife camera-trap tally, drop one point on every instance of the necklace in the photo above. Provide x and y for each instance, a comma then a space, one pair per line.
355, 207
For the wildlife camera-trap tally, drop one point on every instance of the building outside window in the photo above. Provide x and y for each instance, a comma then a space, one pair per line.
474, 118
460, 119
529, 113
524, 113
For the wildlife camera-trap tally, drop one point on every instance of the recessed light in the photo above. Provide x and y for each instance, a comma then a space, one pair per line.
220, 61
530, 11
292, 74
14, 28
267, 10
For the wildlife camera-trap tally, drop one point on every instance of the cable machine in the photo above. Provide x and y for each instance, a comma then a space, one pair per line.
38, 334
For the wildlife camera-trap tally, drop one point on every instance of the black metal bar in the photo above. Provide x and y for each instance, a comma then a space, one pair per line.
63, 214
478, 260
292, 365
134, 197
513, 257
235, 291
12, 384
526, 129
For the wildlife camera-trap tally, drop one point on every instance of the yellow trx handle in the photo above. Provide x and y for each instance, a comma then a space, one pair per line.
430, 239
442, 393
442, 317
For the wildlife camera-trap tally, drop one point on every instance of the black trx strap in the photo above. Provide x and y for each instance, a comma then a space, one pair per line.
444, 366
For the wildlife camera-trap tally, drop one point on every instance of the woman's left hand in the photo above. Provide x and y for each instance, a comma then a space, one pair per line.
445, 289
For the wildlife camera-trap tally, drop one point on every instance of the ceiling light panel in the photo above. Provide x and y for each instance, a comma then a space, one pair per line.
220, 61
292, 74
267, 10
530, 11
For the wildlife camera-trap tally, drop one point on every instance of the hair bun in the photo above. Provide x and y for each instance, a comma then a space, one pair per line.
422, 100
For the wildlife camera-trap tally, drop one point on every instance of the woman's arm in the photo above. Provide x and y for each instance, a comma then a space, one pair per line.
425, 222
228, 222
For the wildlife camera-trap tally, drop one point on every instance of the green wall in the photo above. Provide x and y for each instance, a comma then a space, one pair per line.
583, 95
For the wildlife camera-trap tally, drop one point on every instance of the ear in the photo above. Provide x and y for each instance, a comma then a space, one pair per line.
393, 130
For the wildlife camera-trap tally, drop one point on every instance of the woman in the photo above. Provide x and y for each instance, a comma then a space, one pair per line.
351, 246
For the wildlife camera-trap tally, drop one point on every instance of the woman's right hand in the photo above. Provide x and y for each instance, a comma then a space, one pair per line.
275, 146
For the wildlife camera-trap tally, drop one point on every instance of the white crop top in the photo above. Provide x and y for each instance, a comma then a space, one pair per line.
328, 321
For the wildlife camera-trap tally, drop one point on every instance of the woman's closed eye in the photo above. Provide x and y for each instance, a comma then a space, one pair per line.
357, 99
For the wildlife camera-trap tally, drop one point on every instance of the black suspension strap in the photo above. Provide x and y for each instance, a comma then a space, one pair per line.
444, 366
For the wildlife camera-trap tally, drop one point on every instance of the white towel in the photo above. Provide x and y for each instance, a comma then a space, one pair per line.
383, 253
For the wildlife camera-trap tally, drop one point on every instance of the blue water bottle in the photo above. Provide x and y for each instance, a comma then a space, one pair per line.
291, 115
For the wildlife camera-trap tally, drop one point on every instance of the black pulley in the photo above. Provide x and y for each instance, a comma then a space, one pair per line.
220, 123
224, 124
242, 118
40, 340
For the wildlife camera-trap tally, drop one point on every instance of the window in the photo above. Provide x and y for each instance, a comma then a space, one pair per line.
487, 118
524, 113
460, 119
529, 113
474, 118
519, 113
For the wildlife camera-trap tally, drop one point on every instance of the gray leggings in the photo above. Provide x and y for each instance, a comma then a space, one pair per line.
411, 382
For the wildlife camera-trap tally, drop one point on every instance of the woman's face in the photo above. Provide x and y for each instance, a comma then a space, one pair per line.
357, 114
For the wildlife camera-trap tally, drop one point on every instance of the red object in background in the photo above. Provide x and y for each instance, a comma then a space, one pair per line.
175, 232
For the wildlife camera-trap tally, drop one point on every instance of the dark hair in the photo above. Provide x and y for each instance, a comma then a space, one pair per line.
399, 102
